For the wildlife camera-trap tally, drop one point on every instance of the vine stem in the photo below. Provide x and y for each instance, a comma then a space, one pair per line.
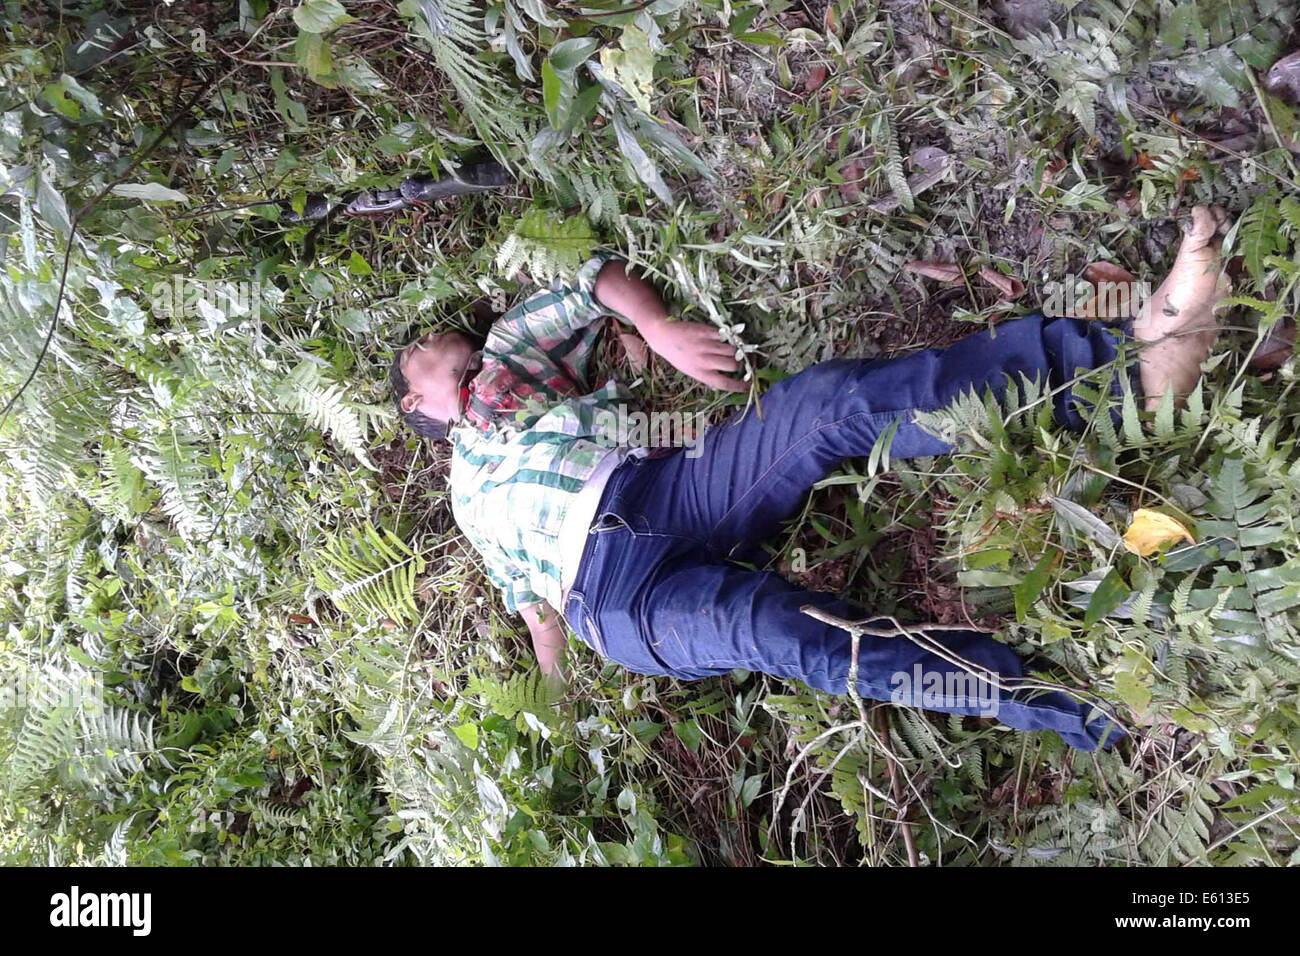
856, 629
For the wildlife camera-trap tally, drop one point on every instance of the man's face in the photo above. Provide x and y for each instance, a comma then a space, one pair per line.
434, 365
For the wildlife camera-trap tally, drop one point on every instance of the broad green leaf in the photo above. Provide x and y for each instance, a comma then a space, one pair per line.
583, 107
551, 94
762, 38
56, 94
1194, 717
988, 558
1052, 631
663, 137
226, 162
569, 54
523, 64
467, 734
82, 95
688, 731
312, 52
632, 67
151, 192
355, 73
357, 265
1132, 691
1079, 518
645, 730
320, 16
744, 17
51, 207
1109, 595
987, 579
1028, 590
641, 162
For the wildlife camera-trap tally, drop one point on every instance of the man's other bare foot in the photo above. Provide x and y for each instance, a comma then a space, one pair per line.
1178, 321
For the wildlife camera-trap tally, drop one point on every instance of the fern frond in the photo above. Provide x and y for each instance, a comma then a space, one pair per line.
523, 693
545, 244
69, 732
453, 29
371, 574
174, 464
1257, 235
325, 405
893, 162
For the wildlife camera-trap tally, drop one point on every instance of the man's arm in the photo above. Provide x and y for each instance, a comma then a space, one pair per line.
549, 641
695, 348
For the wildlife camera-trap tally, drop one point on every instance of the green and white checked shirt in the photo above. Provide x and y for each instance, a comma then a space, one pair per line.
533, 438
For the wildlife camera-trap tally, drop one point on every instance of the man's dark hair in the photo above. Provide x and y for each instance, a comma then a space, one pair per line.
417, 421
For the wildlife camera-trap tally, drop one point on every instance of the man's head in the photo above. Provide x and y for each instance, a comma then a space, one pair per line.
427, 377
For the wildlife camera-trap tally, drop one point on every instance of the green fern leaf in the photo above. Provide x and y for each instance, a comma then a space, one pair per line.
324, 404
370, 574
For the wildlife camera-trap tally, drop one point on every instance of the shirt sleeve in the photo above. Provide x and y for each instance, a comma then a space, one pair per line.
513, 583
552, 316
515, 590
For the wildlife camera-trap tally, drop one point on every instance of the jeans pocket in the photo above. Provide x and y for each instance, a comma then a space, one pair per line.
609, 521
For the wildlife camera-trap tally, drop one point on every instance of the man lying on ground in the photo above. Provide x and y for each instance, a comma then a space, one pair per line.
644, 550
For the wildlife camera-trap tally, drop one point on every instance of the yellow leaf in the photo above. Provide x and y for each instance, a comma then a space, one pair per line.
633, 67
1150, 531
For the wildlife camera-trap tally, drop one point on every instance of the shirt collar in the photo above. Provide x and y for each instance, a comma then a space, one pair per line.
472, 368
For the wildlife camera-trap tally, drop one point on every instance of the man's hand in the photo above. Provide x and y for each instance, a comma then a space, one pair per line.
691, 347
696, 349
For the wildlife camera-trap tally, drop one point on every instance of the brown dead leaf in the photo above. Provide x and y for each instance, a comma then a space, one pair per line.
1096, 272
931, 159
1023, 18
830, 21
855, 177
1283, 78
814, 78
1275, 349
1050, 172
1113, 297
1010, 287
933, 165
943, 271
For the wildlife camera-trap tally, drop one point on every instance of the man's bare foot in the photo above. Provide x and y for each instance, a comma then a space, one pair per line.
1178, 321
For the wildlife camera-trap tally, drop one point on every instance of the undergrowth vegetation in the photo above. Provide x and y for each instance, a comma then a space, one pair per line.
239, 624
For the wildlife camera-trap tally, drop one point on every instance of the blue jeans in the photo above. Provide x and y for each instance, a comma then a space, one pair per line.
658, 591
